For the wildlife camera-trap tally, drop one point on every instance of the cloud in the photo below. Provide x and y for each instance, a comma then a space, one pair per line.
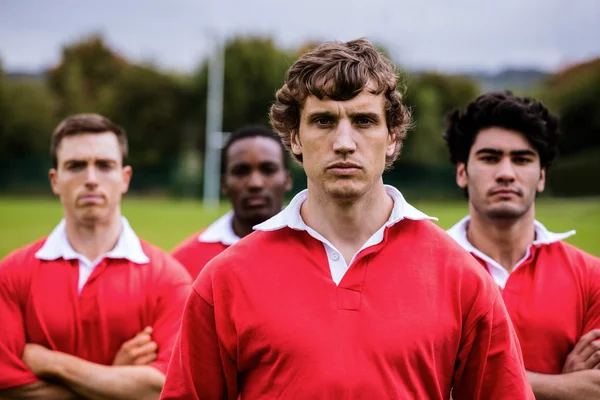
457, 35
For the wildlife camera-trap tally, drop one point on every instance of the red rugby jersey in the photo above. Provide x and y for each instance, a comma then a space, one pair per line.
40, 303
413, 317
197, 250
552, 296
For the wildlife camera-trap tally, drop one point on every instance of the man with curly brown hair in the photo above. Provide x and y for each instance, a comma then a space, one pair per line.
502, 146
349, 292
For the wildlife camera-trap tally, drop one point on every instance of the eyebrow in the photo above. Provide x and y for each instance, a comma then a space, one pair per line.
84, 161
367, 114
496, 152
318, 114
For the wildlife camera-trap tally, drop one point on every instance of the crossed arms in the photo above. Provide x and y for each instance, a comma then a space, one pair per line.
64, 376
580, 378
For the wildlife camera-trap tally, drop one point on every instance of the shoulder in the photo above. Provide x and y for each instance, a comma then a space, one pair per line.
22, 257
432, 240
164, 265
564, 255
188, 244
18, 266
446, 261
193, 247
247, 257
571, 257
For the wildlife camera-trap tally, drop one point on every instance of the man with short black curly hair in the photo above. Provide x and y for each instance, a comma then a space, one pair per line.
502, 146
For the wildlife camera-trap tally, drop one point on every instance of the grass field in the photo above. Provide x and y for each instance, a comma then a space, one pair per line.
166, 222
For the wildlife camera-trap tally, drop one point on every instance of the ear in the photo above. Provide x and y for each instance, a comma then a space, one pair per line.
295, 143
224, 187
52, 175
461, 175
288, 180
127, 172
391, 147
541, 185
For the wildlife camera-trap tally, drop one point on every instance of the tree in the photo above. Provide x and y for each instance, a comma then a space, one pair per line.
431, 96
254, 70
87, 68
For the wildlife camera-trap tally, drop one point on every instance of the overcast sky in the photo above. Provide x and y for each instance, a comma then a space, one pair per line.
451, 35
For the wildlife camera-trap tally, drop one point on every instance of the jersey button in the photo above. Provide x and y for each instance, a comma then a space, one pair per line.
335, 256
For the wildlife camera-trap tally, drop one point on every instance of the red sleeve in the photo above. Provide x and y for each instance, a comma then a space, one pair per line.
13, 372
490, 363
592, 315
174, 291
200, 368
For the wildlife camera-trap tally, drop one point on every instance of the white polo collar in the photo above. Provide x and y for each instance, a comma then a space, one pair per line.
220, 231
128, 246
542, 237
290, 216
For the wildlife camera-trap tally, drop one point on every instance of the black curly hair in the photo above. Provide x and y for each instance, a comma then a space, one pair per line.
503, 110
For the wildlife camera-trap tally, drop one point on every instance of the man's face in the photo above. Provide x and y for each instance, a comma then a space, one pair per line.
502, 175
343, 144
255, 180
90, 178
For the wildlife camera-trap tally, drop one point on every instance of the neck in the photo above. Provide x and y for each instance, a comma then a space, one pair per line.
93, 239
240, 228
349, 224
504, 240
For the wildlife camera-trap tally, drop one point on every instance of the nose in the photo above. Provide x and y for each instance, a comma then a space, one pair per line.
256, 180
343, 142
91, 177
505, 172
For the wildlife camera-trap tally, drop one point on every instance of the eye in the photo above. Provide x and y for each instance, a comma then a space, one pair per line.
521, 160
104, 165
269, 169
364, 121
322, 121
239, 170
76, 166
489, 159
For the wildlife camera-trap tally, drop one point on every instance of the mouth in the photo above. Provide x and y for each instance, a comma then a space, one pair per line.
255, 202
505, 193
90, 199
344, 168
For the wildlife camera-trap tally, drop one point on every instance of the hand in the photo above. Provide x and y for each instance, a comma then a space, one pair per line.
39, 359
585, 354
140, 350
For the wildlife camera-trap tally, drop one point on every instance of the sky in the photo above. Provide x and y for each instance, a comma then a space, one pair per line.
447, 35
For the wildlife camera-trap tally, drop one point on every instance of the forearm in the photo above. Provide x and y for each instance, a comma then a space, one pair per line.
572, 386
38, 390
95, 381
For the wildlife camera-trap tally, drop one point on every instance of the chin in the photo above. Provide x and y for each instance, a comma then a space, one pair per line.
256, 218
92, 216
506, 212
344, 191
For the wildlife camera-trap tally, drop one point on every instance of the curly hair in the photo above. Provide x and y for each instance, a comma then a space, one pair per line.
339, 71
503, 110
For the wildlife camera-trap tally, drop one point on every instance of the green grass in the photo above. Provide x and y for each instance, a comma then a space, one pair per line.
167, 222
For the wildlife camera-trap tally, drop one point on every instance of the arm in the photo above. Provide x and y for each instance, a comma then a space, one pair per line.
490, 364
39, 390
572, 386
580, 378
94, 381
17, 381
200, 367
